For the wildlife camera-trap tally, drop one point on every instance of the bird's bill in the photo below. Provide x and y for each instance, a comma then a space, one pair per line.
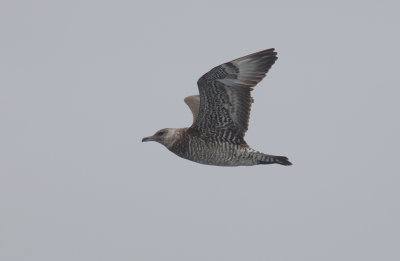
151, 138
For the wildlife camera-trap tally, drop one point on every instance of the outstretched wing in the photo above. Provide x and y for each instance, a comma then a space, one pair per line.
225, 99
194, 104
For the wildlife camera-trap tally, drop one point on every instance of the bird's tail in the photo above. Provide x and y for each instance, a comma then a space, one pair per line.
270, 159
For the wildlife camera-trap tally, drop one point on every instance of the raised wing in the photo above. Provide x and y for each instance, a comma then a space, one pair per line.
225, 99
194, 104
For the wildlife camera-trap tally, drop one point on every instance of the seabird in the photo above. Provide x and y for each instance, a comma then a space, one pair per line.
221, 116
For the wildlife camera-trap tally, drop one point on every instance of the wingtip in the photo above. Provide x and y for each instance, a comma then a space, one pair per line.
267, 52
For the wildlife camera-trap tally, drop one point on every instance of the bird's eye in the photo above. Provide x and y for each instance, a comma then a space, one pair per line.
161, 133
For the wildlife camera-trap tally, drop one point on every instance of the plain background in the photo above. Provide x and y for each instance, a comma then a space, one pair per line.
83, 81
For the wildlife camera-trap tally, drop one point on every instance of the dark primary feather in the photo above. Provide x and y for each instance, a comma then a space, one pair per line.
225, 99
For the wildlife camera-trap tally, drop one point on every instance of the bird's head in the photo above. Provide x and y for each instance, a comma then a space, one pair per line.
166, 137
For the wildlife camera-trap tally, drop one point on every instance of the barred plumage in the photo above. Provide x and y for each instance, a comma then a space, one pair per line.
221, 115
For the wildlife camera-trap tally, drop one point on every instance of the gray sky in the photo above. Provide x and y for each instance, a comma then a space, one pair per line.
83, 81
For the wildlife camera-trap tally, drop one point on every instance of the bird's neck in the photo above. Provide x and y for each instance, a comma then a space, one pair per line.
173, 136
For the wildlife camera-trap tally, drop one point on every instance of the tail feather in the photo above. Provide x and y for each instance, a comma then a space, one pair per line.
269, 159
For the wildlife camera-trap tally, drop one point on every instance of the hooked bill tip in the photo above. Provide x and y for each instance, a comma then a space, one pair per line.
147, 139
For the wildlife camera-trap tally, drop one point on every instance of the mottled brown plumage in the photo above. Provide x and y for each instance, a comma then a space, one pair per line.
221, 116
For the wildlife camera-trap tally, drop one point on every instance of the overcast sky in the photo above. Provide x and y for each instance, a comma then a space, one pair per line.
83, 81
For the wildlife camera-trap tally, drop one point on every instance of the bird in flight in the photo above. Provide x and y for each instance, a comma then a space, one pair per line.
221, 116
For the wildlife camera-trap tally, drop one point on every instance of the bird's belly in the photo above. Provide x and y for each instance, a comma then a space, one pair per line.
219, 154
